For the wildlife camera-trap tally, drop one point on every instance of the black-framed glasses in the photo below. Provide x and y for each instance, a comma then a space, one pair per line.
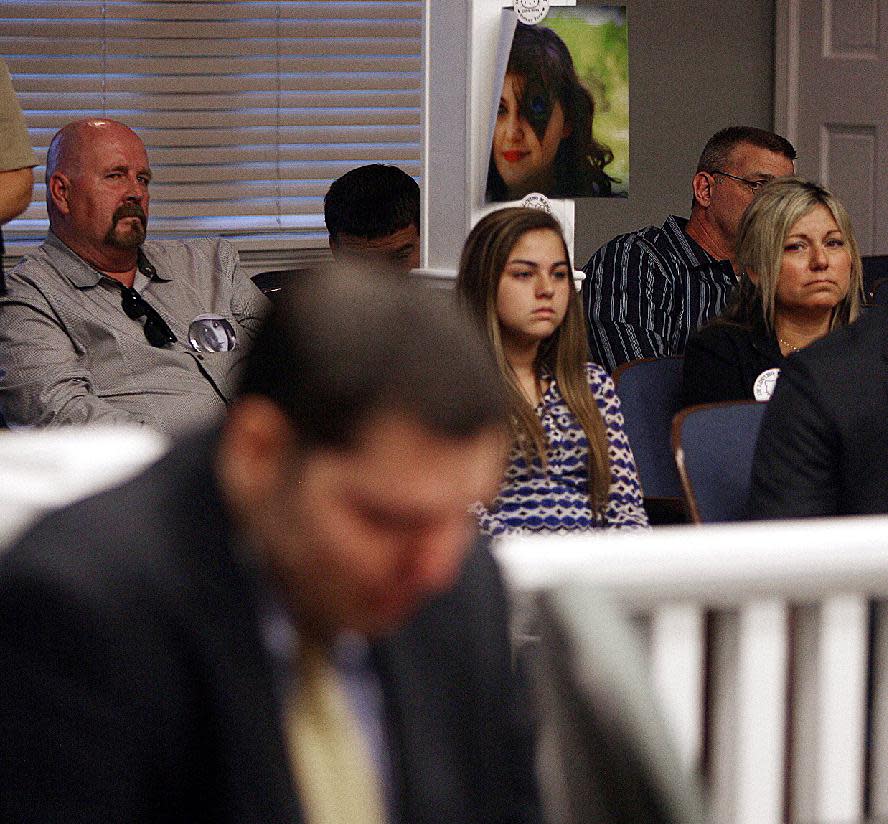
755, 185
157, 331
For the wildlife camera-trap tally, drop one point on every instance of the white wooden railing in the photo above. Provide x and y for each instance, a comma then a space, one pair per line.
759, 650
41, 469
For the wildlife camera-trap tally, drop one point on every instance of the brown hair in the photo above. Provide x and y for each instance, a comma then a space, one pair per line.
563, 354
339, 347
717, 151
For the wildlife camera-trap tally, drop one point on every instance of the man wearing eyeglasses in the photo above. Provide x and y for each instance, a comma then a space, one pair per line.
100, 325
647, 290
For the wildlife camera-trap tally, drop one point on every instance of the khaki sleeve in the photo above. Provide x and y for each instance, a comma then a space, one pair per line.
15, 144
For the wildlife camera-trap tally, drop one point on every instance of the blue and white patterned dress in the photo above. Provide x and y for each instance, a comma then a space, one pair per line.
557, 499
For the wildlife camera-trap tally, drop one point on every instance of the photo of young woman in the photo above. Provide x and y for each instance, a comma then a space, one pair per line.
543, 138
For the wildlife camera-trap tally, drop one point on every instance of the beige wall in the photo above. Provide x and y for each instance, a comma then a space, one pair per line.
693, 68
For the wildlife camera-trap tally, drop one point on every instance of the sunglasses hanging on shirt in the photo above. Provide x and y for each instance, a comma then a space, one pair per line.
157, 331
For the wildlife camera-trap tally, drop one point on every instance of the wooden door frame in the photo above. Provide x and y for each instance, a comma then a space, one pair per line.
786, 68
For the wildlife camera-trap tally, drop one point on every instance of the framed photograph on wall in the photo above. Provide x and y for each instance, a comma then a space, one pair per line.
559, 124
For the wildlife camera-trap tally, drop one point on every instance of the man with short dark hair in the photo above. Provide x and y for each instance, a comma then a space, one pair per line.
647, 290
99, 325
372, 217
162, 645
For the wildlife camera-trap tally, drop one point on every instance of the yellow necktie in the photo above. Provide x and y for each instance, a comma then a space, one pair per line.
337, 780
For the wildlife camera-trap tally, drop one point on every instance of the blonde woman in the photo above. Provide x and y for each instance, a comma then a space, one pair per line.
801, 278
571, 467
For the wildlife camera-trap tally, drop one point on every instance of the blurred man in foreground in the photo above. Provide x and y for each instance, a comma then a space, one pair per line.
286, 619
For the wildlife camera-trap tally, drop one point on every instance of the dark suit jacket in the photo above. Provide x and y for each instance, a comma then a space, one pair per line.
135, 687
823, 446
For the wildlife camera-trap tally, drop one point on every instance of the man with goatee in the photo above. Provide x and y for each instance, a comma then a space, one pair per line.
100, 325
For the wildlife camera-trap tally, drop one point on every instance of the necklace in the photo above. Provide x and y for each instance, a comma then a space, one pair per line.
785, 343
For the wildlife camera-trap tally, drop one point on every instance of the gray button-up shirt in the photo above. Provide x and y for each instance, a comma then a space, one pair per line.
69, 354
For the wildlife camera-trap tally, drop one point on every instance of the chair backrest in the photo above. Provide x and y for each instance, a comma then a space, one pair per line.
714, 445
875, 270
877, 294
273, 282
650, 394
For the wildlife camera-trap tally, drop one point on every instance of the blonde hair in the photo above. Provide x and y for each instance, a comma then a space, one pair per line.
767, 222
563, 354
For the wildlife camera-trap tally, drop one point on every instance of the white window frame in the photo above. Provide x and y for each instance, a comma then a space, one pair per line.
349, 37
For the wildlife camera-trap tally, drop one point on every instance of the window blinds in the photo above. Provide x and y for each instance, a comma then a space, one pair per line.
248, 109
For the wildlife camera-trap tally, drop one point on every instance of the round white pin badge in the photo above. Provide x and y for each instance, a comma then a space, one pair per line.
212, 333
531, 11
537, 201
764, 384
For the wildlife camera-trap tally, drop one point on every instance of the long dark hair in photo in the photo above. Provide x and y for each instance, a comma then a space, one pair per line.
540, 58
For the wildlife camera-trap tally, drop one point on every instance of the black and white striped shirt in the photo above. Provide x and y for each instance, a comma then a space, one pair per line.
647, 290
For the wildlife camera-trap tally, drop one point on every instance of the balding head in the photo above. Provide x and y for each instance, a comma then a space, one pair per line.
63, 150
67, 145
97, 191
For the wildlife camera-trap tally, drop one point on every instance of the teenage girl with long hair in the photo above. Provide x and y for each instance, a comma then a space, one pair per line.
571, 467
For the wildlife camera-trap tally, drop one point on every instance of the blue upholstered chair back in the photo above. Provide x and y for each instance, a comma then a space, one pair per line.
650, 394
878, 294
714, 445
875, 278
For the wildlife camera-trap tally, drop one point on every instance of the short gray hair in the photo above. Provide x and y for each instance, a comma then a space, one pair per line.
718, 149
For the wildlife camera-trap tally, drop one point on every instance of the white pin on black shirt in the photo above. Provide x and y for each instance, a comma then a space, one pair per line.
764, 384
